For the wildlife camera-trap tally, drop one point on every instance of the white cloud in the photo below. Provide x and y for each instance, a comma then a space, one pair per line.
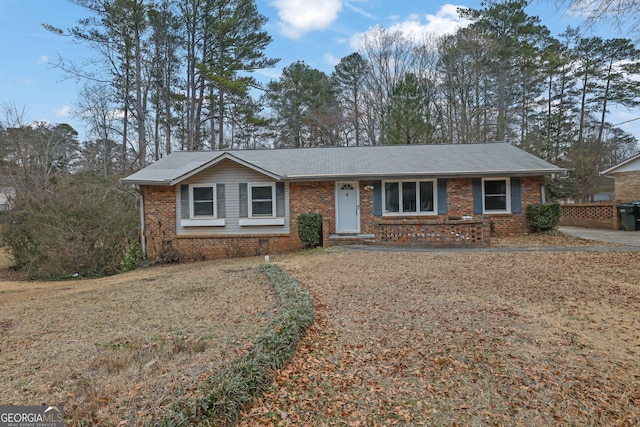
445, 21
356, 41
331, 59
64, 111
298, 17
43, 59
582, 8
360, 11
25, 81
270, 73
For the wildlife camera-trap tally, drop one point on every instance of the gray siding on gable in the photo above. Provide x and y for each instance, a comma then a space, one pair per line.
231, 175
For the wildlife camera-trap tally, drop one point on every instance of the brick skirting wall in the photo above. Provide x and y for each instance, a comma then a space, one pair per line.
434, 233
590, 215
208, 247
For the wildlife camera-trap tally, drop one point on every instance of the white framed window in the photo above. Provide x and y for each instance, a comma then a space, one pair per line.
203, 201
201, 206
496, 195
409, 197
260, 202
262, 199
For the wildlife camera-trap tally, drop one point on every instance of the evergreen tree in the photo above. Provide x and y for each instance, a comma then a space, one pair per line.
166, 42
349, 77
409, 117
305, 107
237, 44
513, 35
465, 87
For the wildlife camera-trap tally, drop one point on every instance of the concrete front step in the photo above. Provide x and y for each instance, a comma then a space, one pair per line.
351, 239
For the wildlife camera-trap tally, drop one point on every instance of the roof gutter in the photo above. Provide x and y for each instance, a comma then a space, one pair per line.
162, 182
318, 177
325, 177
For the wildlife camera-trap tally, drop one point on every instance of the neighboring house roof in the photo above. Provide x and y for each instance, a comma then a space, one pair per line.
362, 162
629, 165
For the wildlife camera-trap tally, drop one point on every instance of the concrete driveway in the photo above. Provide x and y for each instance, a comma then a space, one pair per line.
629, 238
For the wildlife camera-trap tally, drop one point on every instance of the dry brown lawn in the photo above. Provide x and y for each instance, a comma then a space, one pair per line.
440, 338
460, 338
122, 349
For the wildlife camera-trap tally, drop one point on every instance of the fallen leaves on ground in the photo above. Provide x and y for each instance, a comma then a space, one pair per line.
544, 240
450, 338
463, 339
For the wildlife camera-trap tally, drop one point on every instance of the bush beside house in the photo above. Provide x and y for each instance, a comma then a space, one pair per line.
310, 229
543, 216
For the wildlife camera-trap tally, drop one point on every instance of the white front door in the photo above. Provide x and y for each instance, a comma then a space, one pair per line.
347, 207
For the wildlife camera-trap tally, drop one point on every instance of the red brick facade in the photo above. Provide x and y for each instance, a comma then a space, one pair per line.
627, 186
591, 215
319, 197
162, 243
433, 233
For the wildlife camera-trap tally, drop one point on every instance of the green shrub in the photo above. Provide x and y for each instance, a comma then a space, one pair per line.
310, 229
228, 390
543, 216
132, 257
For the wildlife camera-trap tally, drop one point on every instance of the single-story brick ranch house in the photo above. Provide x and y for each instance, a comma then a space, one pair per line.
246, 202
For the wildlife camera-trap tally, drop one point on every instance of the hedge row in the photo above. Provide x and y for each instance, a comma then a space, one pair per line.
230, 389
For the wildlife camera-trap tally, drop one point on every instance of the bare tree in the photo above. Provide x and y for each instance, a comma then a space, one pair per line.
390, 57
97, 108
624, 14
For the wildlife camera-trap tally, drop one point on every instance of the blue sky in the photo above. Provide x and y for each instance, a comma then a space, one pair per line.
320, 32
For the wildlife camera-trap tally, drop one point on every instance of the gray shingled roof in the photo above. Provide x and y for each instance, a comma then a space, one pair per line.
355, 162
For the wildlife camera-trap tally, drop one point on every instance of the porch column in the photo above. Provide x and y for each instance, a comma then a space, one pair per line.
326, 224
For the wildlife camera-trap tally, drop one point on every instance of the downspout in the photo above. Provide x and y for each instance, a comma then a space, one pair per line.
143, 239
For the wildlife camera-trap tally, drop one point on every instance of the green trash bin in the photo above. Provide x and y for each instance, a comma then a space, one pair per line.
629, 215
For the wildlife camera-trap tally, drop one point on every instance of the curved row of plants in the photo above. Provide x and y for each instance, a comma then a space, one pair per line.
227, 391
